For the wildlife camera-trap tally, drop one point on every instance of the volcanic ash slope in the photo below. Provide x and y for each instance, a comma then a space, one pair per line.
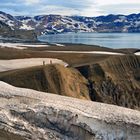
31, 115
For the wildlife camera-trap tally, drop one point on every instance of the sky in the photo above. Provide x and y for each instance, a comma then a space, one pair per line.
70, 7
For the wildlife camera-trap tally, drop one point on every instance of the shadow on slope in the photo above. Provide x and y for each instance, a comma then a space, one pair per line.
50, 78
115, 80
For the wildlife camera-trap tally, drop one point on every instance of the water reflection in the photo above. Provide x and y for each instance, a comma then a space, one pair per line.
112, 40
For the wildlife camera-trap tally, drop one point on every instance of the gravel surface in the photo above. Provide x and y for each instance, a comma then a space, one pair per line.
6, 65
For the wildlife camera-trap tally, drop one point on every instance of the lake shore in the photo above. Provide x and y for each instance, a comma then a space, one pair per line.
110, 40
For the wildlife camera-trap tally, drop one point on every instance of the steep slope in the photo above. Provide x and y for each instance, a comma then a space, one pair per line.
49, 24
16, 34
10, 27
9, 20
115, 80
50, 78
30, 115
12, 21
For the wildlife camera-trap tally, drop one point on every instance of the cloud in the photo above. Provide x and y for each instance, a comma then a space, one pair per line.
121, 8
70, 7
31, 2
116, 2
60, 10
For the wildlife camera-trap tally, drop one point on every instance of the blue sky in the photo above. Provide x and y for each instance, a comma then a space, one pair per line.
70, 7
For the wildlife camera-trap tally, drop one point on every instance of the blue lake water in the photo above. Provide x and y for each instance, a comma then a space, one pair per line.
111, 40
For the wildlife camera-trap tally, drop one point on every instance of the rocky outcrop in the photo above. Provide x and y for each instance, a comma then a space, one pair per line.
4, 29
66, 81
30, 115
53, 78
16, 34
115, 80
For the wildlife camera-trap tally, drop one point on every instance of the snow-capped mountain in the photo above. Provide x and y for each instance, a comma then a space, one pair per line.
50, 24
10, 27
10, 20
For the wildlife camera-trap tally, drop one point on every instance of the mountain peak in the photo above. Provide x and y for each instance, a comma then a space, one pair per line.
50, 24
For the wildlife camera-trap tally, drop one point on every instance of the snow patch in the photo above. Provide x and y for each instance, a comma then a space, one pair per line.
60, 45
20, 45
11, 45
26, 27
10, 23
90, 52
108, 122
6, 65
137, 53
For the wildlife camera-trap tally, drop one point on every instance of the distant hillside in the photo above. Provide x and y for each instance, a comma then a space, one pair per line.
13, 32
50, 24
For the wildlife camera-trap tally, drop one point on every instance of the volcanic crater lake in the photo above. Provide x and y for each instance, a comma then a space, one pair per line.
111, 40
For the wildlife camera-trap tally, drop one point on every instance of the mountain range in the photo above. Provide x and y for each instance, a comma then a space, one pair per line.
52, 24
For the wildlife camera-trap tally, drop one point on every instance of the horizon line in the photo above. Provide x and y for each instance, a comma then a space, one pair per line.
70, 15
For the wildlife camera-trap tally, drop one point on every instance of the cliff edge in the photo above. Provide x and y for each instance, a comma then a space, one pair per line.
31, 115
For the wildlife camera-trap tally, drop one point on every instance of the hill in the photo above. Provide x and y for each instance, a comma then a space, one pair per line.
52, 24
114, 80
54, 79
9, 32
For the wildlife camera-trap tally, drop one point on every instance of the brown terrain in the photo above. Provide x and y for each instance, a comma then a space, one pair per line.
102, 78
32, 108
50, 78
115, 81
